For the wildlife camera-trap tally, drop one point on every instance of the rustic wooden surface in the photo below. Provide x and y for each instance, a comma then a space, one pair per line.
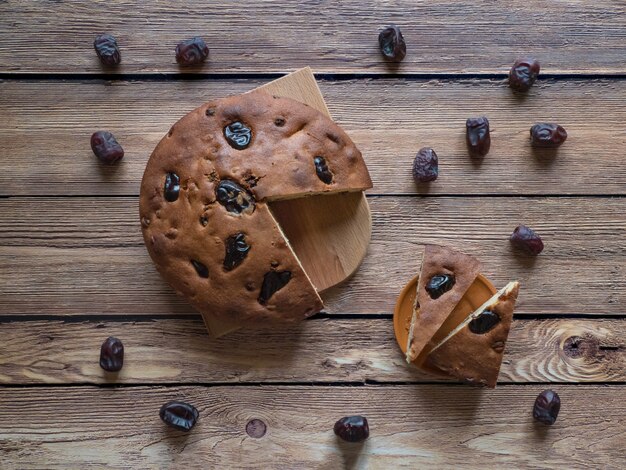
73, 269
410, 427
354, 350
573, 37
86, 254
46, 137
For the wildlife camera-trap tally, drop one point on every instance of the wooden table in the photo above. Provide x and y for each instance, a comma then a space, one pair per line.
73, 268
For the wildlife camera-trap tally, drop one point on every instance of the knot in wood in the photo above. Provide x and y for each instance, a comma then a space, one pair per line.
256, 428
577, 346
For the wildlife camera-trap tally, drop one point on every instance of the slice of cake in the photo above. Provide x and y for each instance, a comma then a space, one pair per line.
473, 351
445, 276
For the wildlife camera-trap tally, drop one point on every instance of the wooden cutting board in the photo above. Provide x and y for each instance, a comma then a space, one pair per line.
329, 233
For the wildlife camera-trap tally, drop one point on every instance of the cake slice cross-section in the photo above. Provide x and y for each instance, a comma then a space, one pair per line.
473, 351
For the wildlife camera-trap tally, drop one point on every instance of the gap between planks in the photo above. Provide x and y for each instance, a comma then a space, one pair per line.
366, 383
371, 196
321, 316
321, 76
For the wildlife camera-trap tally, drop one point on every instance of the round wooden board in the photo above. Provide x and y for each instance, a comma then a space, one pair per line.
329, 233
478, 293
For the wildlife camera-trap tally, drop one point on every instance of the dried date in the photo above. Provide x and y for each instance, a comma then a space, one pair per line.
477, 136
200, 268
425, 166
321, 168
527, 240
439, 284
107, 50
547, 407
547, 135
523, 74
238, 135
484, 322
192, 51
171, 188
106, 148
112, 354
273, 281
392, 44
179, 415
352, 428
236, 251
234, 198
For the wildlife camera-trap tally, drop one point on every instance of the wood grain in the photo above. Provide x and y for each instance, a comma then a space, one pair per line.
355, 350
86, 255
336, 37
410, 427
44, 141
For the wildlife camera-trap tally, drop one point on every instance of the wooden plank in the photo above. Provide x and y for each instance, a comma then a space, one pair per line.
337, 37
410, 427
47, 126
86, 255
356, 350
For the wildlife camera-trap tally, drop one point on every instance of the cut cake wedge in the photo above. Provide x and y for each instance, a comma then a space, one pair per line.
451, 273
473, 351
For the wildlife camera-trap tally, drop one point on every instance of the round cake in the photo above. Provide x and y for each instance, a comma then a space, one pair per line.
204, 203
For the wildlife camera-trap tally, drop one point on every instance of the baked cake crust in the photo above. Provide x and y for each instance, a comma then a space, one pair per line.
429, 313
